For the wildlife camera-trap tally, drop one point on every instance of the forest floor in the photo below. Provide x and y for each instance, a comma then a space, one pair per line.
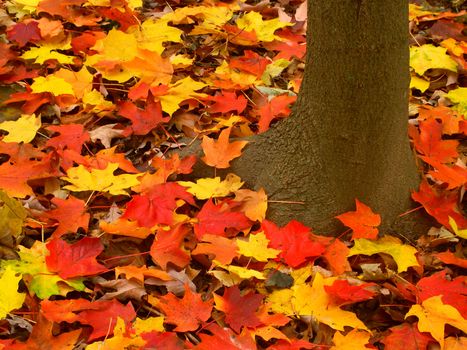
105, 243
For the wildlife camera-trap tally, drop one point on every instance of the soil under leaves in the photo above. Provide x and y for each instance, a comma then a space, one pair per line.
107, 243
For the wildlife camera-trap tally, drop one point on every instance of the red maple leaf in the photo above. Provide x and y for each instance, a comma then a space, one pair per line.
75, 260
294, 241
158, 205
429, 142
70, 214
165, 340
454, 176
406, 337
142, 120
24, 32
166, 248
296, 344
101, 315
277, 107
342, 292
240, 310
250, 62
225, 339
453, 292
215, 219
187, 313
363, 221
226, 102
440, 205
71, 136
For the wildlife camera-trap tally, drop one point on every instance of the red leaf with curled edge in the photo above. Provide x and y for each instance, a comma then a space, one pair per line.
24, 32
363, 221
277, 107
71, 136
225, 339
70, 214
439, 205
216, 219
240, 310
158, 205
453, 292
342, 292
187, 313
454, 176
406, 337
101, 315
143, 120
294, 241
75, 260
226, 102
250, 62
428, 141
166, 248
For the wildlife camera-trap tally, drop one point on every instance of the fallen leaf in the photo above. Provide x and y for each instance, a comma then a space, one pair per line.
220, 153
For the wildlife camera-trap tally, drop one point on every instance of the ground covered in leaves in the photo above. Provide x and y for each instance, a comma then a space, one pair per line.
107, 243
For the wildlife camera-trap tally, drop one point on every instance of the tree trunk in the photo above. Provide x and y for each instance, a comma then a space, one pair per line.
347, 136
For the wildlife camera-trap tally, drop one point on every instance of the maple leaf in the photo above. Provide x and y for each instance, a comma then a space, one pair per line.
22, 130
449, 257
355, 339
138, 273
206, 188
10, 299
12, 216
72, 136
101, 315
406, 337
73, 260
452, 291
429, 143
165, 340
433, 315
158, 205
187, 313
125, 227
342, 292
278, 106
24, 32
223, 249
224, 338
425, 57
254, 204
403, 254
143, 121
227, 102
216, 218
166, 248
294, 241
239, 309
250, 62
264, 29
257, 247
178, 92
70, 214
99, 180
454, 176
219, 153
363, 221
122, 339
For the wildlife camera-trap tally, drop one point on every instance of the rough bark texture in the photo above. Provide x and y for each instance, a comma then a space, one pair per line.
347, 136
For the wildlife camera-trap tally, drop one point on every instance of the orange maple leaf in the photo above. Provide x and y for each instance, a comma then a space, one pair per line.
363, 221
219, 153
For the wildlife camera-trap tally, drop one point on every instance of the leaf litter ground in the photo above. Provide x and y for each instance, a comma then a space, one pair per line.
107, 244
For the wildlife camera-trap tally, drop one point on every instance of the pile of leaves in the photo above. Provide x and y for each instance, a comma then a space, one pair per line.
107, 244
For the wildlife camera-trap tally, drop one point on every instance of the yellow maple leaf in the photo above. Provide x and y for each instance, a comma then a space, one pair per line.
100, 180
27, 6
356, 339
433, 315
178, 92
425, 57
459, 98
257, 247
10, 299
149, 325
241, 272
153, 33
22, 130
305, 300
254, 204
47, 51
264, 29
80, 81
419, 83
206, 188
403, 254
52, 84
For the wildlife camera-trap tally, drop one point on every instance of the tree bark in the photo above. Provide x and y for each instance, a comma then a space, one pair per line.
347, 135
